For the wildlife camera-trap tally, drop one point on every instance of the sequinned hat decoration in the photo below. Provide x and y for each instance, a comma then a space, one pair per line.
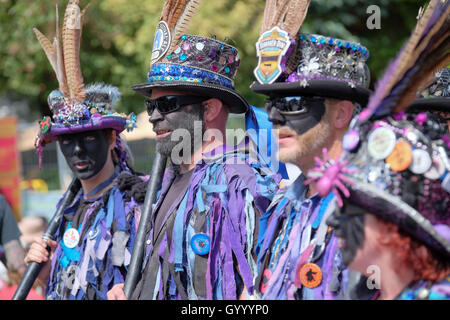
396, 164
192, 63
294, 63
436, 93
76, 107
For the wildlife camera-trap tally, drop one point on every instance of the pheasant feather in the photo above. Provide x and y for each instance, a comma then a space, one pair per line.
71, 49
426, 50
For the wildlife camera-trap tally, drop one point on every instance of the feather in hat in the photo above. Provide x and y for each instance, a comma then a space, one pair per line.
426, 51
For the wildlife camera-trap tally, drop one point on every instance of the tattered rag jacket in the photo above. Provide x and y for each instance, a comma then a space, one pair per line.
107, 228
223, 200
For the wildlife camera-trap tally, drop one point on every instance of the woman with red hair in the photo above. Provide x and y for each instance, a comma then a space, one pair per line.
391, 186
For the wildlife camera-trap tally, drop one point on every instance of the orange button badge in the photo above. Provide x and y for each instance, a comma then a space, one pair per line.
401, 157
310, 275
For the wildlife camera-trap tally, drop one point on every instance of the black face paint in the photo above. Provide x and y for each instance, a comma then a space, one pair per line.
85, 152
348, 223
181, 119
299, 113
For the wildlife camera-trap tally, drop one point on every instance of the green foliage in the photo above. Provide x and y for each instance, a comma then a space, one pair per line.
118, 37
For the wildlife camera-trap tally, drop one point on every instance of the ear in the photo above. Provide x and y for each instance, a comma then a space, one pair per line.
388, 232
112, 139
213, 108
343, 113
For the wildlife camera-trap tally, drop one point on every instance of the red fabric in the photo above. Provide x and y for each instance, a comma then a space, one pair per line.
7, 292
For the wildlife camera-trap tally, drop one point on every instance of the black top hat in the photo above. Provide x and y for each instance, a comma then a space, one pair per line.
198, 65
325, 67
435, 97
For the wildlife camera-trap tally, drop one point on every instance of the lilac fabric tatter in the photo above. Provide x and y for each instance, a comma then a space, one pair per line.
224, 198
102, 255
292, 226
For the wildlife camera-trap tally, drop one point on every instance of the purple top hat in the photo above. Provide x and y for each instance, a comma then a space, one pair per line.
76, 108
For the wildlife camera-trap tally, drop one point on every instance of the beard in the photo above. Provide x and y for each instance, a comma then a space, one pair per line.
183, 126
309, 143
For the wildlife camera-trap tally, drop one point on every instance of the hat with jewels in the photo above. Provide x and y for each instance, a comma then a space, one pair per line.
292, 63
436, 96
396, 163
196, 64
74, 106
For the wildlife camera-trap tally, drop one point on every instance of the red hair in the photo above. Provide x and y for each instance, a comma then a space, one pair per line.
427, 267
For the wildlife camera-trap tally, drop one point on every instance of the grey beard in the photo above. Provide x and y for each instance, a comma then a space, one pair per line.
187, 124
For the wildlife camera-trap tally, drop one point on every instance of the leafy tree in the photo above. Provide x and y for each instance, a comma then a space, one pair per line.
118, 37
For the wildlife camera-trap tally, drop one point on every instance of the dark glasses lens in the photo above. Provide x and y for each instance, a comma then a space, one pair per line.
169, 104
293, 104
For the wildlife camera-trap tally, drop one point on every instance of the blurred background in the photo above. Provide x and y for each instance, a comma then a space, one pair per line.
116, 47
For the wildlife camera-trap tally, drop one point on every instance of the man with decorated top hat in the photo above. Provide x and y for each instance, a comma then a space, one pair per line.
205, 219
92, 245
392, 213
314, 85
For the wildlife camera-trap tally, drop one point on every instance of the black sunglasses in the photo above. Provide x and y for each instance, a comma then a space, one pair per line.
168, 104
293, 105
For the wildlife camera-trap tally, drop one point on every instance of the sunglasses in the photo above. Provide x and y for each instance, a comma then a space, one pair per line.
168, 104
294, 105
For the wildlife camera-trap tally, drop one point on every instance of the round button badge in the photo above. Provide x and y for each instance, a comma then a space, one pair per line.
310, 275
437, 169
201, 244
71, 238
421, 161
381, 142
401, 157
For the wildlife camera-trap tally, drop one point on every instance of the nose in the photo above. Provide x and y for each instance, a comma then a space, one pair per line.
275, 117
155, 116
78, 148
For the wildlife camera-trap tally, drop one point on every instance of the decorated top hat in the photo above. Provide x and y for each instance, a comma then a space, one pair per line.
436, 97
396, 164
291, 63
196, 64
76, 107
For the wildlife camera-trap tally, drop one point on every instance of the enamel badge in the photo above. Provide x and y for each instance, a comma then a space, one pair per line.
310, 275
271, 48
162, 41
200, 244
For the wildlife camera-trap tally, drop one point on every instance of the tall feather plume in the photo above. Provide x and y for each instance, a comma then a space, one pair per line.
71, 49
177, 14
287, 14
426, 51
61, 72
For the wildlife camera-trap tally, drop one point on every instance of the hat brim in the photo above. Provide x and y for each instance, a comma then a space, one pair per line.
391, 208
231, 98
322, 88
105, 122
431, 104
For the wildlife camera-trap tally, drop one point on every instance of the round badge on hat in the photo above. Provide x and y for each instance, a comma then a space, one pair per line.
437, 169
162, 41
200, 244
71, 238
310, 275
401, 157
421, 161
381, 142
